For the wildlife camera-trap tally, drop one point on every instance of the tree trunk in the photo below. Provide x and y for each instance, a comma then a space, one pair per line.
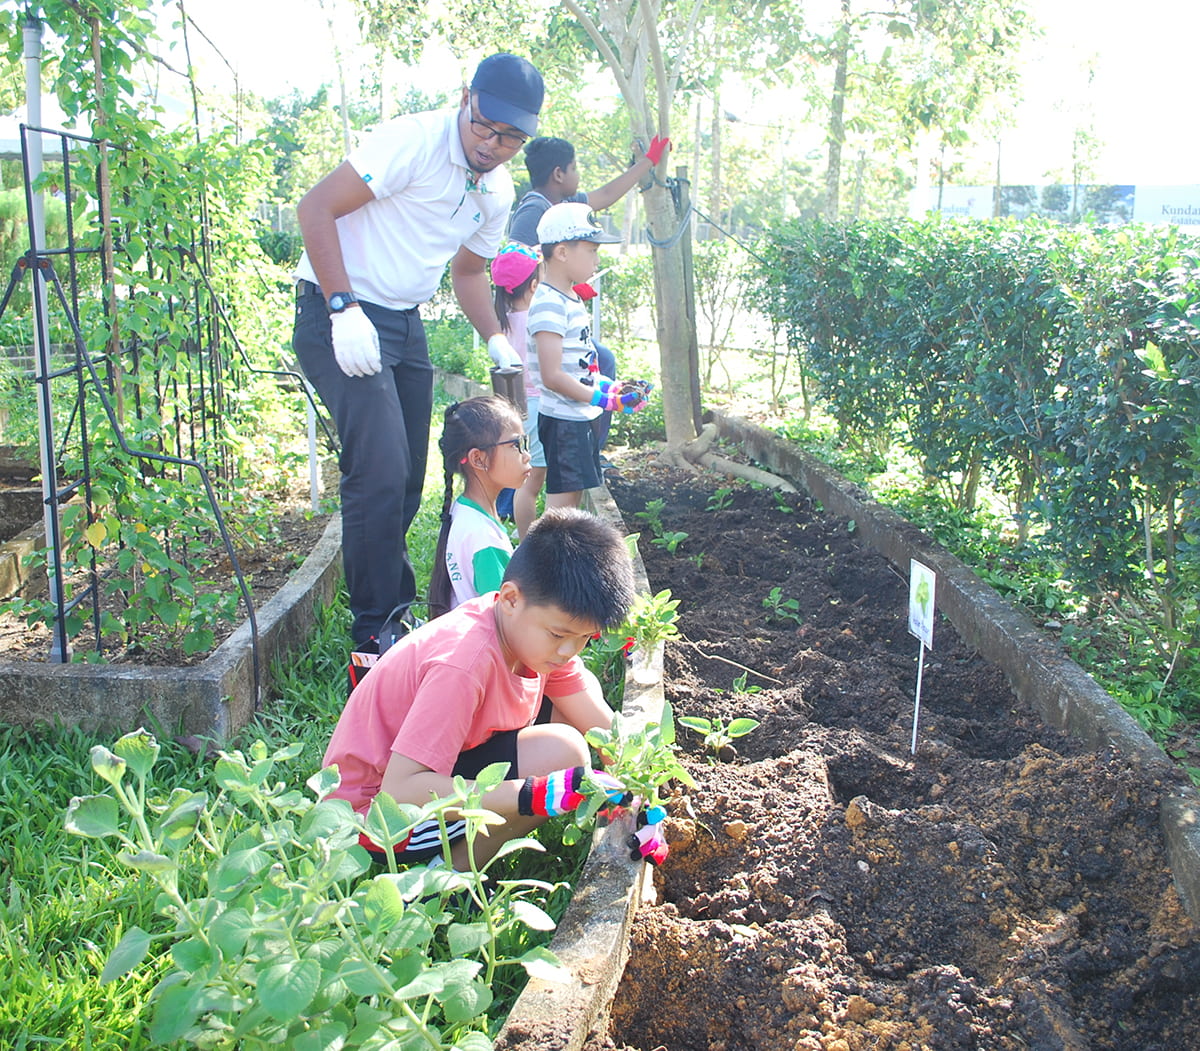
674, 328
837, 108
683, 208
696, 147
859, 170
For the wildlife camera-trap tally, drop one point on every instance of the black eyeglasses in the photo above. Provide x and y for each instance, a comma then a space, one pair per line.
520, 444
481, 129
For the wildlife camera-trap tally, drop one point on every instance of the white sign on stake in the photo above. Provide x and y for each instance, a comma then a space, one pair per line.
922, 587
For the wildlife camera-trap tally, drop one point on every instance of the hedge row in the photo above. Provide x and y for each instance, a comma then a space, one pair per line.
1059, 365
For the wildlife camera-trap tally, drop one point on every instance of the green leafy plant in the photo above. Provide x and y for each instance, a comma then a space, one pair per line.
156, 312
779, 608
740, 688
720, 500
291, 942
670, 541
781, 504
698, 559
652, 516
718, 736
651, 620
451, 347
148, 536
1151, 713
643, 760
605, 658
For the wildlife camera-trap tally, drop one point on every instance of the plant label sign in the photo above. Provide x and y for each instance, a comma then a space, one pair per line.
921, 588
922, 585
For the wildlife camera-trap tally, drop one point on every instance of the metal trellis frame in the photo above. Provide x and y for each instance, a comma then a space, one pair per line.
192, 404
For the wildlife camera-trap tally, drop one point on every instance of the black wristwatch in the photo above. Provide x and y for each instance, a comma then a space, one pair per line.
340, 300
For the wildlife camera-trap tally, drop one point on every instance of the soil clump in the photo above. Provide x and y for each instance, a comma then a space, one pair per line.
1004, 888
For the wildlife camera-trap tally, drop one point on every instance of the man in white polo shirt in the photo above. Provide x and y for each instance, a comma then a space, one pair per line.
421, 191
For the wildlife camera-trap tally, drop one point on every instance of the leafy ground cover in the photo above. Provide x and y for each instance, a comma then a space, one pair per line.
1003, 888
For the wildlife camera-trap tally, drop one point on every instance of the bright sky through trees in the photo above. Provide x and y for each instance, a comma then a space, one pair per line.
1136, 101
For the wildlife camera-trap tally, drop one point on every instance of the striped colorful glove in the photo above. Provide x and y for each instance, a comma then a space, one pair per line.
621, 395
559, 792
649, 842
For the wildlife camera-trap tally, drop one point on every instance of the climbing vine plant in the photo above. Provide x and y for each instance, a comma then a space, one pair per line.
164, 270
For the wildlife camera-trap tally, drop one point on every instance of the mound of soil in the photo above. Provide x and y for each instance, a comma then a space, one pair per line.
1003, 888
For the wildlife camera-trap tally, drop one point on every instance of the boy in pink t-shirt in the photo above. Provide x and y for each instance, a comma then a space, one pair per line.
462, 691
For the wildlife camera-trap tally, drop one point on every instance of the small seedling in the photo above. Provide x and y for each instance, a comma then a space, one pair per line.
719, 737
652, 516
642, 760
781, 504
698, 559
670, 541
780, 608
740, 687
721, 500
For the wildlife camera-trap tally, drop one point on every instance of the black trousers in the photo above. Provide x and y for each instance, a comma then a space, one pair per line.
383, 425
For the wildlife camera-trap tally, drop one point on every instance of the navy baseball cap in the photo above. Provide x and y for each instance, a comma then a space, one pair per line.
510, 91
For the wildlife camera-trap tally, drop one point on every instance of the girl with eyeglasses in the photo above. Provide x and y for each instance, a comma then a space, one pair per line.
484, 440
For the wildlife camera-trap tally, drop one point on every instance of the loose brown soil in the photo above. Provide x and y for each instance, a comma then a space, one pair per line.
1002, 889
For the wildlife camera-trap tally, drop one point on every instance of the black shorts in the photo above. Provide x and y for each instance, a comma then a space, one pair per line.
572, 453
425, 841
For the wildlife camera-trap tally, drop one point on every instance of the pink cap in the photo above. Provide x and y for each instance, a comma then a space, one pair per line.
513, 265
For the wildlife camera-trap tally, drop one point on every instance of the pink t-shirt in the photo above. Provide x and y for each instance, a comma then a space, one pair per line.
437, 692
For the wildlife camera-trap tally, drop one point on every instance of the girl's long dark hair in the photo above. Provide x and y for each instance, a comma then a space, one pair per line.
503, 300
471, 424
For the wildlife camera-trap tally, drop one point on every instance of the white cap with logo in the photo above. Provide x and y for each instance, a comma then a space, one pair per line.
572, 221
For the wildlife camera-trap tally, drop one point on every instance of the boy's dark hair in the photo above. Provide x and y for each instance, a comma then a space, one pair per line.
468, 425
577, 562
543, 155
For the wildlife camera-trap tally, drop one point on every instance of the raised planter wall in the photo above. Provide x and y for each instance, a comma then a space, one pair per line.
211, 699
15, 576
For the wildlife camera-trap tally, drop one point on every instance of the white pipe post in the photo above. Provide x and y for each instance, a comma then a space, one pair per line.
32, 32
595, 283
917, 699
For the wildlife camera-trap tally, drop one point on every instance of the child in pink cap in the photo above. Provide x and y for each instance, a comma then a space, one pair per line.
515, 272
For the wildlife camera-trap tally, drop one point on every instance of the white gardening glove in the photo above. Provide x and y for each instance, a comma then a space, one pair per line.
502, 353
355, 343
